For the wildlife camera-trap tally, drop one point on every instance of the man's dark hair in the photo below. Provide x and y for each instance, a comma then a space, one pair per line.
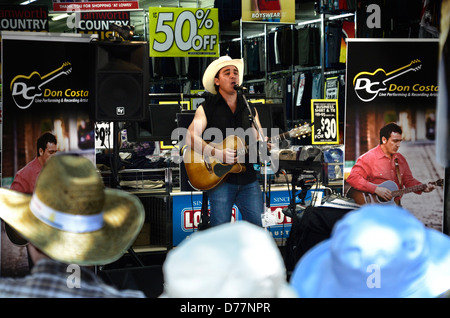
43, 140
388, 129
216, 86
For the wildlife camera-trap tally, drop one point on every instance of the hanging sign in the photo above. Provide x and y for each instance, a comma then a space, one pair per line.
89, 5
268, 11
24, 18
98, 22
184, 32
331, 88
324, 115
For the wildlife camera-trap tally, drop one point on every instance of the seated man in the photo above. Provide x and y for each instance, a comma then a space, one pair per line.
70, 220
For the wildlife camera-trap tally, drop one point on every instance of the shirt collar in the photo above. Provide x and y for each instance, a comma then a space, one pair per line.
381, 154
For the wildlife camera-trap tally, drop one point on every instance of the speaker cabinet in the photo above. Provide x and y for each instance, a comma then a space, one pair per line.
121, 80
272, 116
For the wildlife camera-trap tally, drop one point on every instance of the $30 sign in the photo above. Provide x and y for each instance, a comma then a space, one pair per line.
324, 115
184, 32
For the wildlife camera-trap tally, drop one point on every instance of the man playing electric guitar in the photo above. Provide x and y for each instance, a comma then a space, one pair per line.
384, 163
224, 112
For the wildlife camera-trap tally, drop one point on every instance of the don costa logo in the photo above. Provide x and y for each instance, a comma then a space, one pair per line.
369, 85
25, 88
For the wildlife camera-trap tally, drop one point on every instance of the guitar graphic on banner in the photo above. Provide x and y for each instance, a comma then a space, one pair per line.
24, 89
367, 85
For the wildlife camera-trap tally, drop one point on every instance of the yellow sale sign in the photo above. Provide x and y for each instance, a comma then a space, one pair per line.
184, 32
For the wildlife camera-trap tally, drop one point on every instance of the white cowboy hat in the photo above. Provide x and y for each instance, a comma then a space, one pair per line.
216, 66
71, 216
376, 251
230, 260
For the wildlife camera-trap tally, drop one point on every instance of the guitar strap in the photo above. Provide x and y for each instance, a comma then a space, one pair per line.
399, 177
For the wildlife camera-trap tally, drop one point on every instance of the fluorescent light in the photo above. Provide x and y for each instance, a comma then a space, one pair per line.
27, 2
309, 22
60, 16
341, 16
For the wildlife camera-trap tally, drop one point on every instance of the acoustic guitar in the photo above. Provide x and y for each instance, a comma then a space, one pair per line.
361, 197
206, 172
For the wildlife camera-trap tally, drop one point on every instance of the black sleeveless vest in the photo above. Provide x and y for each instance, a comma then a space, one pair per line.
219, 115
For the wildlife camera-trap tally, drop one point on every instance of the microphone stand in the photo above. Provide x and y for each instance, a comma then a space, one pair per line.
261, 137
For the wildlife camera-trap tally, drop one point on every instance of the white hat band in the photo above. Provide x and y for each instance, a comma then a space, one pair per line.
64, 221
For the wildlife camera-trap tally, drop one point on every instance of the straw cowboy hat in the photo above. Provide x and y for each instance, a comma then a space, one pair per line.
376, 251
230, 260
71, 216
216, 66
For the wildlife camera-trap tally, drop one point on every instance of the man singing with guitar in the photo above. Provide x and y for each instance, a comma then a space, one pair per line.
224, 111
382, 174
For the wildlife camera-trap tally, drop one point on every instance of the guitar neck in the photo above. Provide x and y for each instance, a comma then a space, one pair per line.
419, 187
396, 75
50, 79
282, 136
300, 131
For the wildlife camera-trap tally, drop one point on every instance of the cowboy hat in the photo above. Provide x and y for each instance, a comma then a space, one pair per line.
216, 66
376, 251
230, 260
71, 216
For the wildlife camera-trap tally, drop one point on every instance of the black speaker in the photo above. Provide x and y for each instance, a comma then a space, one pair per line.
272, 116
121, 80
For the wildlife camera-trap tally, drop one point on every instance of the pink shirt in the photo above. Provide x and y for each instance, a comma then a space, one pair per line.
374, 167
25, 178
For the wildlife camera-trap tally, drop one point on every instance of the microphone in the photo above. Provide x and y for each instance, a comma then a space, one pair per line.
240, 88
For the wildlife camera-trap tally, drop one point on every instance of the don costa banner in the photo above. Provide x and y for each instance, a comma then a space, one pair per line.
395, 80
184, 32
55, 74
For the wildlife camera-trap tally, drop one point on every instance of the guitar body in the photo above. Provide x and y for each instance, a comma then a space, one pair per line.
361, 197
206, 172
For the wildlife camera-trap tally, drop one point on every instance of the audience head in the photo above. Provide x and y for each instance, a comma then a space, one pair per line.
71, 217
231, 260
376, 251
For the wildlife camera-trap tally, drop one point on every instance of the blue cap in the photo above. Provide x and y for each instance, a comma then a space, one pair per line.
376, 251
